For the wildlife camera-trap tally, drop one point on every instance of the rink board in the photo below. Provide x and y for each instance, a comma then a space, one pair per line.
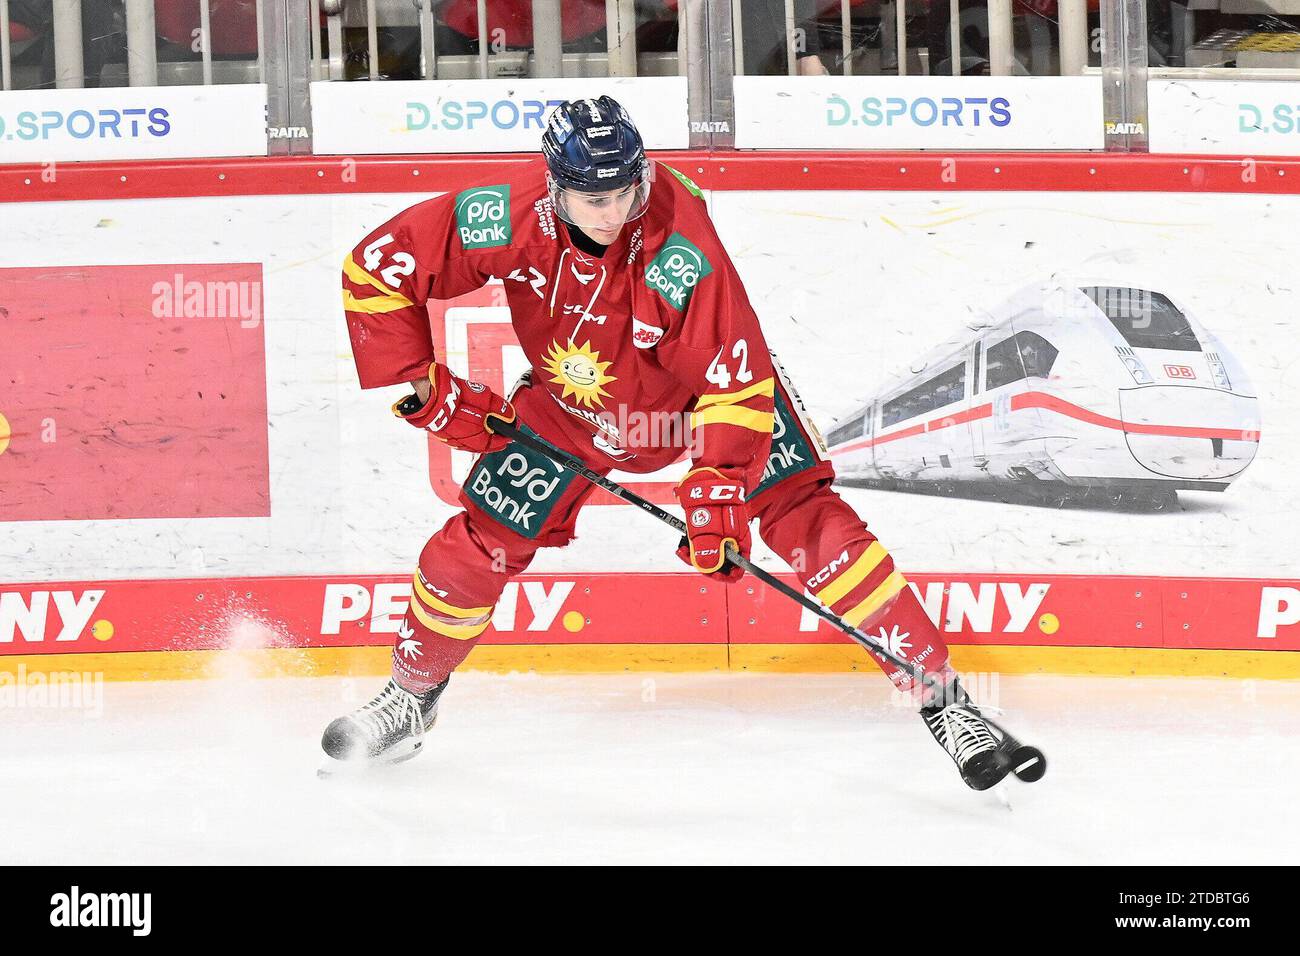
188, 469
596, 622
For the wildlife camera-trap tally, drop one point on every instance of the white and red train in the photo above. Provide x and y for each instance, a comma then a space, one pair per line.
1108, 390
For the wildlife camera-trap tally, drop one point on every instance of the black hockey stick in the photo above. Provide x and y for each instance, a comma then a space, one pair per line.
1026, 762
510, 431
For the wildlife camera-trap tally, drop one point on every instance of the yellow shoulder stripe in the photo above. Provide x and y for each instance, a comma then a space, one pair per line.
766, 387
731, 415
375, 304
361, 277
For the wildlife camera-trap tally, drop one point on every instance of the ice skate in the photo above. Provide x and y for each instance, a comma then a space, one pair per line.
961, 730
387, 730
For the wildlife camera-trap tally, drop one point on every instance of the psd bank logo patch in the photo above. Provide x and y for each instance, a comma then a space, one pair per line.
676, 269
790, 453
518, 487
483, 217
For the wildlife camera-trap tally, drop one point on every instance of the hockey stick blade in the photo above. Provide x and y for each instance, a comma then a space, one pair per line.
1026, 762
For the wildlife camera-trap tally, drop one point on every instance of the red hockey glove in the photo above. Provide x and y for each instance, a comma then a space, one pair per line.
716, 515
458, 412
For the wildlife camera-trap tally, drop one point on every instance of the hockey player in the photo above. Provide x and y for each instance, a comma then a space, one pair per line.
628, 309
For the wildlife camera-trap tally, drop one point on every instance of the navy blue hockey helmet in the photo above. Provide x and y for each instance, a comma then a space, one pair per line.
592, 146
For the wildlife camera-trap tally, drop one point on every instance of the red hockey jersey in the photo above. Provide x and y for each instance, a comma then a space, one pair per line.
634, 348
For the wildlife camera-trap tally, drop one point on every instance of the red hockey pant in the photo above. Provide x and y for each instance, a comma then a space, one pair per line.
466, 564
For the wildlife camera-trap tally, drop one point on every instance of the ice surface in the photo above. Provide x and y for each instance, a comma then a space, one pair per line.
639, 768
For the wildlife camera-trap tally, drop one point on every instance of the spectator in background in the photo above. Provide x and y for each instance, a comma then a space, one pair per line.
510, 23
24, 27
973, 56
763, 36
31, 24
582, 25
233, 22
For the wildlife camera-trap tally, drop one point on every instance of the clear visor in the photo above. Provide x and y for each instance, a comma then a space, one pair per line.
596, 212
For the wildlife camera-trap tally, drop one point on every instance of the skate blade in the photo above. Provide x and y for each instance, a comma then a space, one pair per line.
333, 768
1000, 791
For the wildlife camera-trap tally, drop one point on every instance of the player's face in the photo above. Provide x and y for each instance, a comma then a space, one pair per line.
600, 215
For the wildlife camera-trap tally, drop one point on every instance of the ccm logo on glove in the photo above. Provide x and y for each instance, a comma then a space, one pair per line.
716, 516
458, 412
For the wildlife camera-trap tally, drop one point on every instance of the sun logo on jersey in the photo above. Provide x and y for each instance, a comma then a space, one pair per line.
580, 371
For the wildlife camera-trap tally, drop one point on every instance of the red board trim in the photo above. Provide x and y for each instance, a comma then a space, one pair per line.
1025, 610
805, 170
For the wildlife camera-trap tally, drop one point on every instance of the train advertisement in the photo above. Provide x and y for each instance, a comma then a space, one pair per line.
1061, 381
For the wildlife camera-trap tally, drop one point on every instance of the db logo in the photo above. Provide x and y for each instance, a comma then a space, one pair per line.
645, 336
699, 517
1179, 371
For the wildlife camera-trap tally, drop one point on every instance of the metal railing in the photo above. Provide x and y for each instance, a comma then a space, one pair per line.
60, 26
492, 57
6, 54
299, 41
895, 54
69, 66
998, 22
142, 50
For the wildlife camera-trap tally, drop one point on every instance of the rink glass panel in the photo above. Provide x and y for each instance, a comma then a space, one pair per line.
290, 44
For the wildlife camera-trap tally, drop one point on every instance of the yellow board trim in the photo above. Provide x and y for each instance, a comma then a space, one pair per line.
1019, 659
459, 632
374, 660
361, 277
766, 387
891, 586
731, 415
377, 305
597, 658
438, 604
662, 658
853, 575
